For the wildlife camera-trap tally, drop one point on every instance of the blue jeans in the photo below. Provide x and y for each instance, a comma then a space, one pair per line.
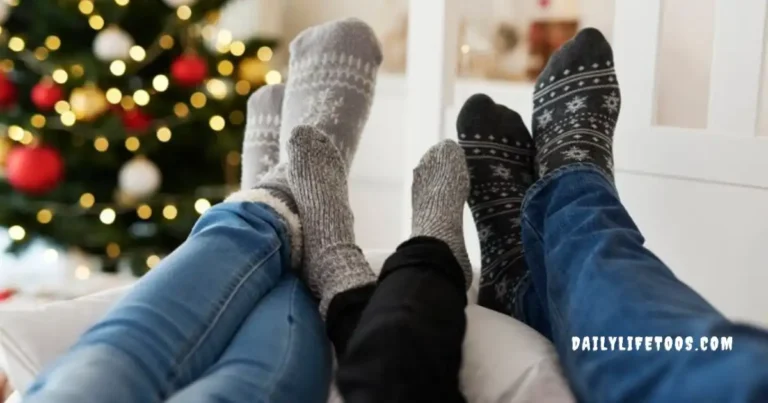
221, 319
592, 276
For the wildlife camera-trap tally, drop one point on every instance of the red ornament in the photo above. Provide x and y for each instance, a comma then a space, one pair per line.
45, 94
545, 3
34, 170
7, 92
189, 70
135, 120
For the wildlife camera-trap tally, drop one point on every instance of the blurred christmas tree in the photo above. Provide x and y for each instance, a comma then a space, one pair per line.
122, 121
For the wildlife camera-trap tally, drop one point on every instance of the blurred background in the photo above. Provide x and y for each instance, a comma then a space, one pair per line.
121, 120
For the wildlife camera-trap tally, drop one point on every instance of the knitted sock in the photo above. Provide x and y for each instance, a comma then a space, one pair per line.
333, 263
261, 146
263, 181
331, 82
576, 105
440, 189
499, 154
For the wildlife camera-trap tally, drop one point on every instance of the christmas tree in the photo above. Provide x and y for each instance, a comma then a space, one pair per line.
122, 121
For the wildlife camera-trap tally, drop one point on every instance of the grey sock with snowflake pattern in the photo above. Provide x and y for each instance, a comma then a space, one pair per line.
261, 145
332, 77
499, 153
576, 105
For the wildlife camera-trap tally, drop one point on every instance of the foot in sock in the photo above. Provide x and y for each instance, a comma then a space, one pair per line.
576, 105
332, 77
261, 145
499, 153
333, 263
440, 189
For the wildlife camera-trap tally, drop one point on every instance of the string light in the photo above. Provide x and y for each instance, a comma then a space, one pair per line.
77, 70
44, 216
113, 250
16, 44
166, 42
87, 200
127, 102
236, 117
60, 76
233, 158
15, 133
224, 37
68, 118
226, 68
181, 110
198, 100
273, 77
114, 96
237, 48
137, 53
141, 97
37, 121
61, 107
96, 22
217, 123
82, 272
53, 42
16, 233
160, 83
28, 138
117, 67
122, 3
7, 65
152, 261
41, 53
243, 87
101, 144
144, 212
208, 32
85, 6
184, 13
132, 143
264, 53
201, 205
164, 134
217, 88
170, 212
51, 255
107, 216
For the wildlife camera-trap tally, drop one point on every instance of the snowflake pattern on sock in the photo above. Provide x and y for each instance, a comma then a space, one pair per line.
499, 153
578, 97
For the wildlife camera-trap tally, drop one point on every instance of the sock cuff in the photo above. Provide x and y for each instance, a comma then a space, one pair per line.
356, 272
287, 216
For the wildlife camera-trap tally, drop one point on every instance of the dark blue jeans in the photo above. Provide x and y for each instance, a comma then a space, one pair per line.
592, 277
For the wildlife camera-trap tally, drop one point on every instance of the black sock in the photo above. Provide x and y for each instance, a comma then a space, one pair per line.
576, 105
499, 152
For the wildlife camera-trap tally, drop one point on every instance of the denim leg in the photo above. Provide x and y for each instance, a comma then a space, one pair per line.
177, 320
280, 355
595, 278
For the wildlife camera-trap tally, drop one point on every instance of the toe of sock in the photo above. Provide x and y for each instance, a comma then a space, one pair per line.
588, 50
350, 37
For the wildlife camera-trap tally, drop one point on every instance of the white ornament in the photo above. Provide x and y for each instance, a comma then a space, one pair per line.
139, 178
179, 3
112, 44
5, 11
247, 19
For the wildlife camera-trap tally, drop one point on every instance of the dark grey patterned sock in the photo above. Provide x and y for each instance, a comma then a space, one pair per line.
499, 152
576, 105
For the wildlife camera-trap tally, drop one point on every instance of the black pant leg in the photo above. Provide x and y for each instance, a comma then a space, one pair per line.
407, 345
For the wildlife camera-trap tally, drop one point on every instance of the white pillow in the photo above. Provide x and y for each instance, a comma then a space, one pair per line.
504, 360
